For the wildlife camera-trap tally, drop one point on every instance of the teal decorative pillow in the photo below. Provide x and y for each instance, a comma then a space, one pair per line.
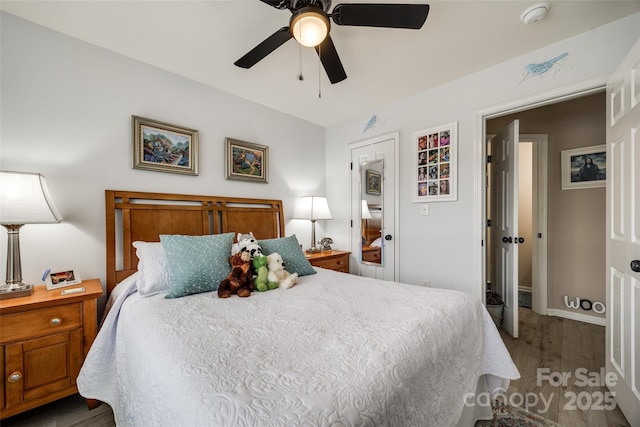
196, 263
289, 248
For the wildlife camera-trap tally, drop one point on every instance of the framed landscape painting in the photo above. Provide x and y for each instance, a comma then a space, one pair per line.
247, 161
163, 147
374, 182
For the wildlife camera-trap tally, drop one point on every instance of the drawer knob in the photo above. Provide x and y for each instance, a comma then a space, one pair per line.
16, 376
55, 321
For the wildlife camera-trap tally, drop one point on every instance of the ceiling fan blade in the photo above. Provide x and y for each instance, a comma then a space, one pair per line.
411, 16
331, 61
259, 52
278, 4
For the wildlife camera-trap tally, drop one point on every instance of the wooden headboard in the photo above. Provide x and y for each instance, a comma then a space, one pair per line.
134, 215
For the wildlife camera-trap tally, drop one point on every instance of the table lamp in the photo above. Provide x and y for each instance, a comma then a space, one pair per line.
313, 208
24, 199
366, 213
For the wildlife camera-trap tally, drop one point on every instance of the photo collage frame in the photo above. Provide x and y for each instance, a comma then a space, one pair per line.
435, 163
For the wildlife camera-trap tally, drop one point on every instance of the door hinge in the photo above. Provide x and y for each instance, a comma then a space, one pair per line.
351, 225
488, 159
488, 223
539, 235
351, 165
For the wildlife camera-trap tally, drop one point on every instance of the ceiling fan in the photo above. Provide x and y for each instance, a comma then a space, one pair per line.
310, 25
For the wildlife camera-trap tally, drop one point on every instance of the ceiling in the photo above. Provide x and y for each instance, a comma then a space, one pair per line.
202, 39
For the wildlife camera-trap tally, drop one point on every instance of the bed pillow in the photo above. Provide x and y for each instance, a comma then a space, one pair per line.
153, 272
289, 248
196, 263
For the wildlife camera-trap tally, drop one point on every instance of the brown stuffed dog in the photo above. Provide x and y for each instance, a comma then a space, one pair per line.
239, 280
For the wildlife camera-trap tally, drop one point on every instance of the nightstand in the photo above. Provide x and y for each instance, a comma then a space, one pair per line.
333, 260
44, 339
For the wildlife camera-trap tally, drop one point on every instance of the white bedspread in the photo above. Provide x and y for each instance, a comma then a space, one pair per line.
336, 349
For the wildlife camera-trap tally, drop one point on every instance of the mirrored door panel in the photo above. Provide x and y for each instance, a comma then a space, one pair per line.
373, 208
372, 212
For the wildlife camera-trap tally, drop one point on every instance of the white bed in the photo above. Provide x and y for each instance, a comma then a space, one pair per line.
336, 349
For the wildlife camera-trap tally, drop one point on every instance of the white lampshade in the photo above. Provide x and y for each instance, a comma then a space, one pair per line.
309, 28
25, 199
366, 214
313, 208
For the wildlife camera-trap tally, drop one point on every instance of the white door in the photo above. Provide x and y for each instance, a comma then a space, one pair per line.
623, 235
504, 221
380, 148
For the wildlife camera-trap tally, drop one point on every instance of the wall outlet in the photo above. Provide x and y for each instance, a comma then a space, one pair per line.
424, 210
427, 283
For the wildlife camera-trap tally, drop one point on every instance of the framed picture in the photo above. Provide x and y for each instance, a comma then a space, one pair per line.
435, 164
584, 167
247, 161
61, 277
163, 147
374, 182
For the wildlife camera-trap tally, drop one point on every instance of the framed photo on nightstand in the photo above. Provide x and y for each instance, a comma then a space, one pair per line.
61, 277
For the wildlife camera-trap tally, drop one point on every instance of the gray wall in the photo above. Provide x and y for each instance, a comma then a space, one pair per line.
576, 218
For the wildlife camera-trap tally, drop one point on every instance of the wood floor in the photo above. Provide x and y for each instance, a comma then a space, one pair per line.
67, 412
562, 346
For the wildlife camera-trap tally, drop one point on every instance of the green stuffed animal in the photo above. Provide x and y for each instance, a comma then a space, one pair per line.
261, 281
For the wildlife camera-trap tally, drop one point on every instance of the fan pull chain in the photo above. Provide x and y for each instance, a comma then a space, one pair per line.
300, 77
319, 71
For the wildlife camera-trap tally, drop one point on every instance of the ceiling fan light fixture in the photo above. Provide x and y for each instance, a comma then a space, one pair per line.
310, 26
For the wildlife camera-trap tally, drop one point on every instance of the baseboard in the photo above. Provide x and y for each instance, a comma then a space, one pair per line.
601, 321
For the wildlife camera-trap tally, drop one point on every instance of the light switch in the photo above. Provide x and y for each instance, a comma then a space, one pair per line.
424, 209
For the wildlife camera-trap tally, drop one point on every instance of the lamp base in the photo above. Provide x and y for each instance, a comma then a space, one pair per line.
15, 291
313, 251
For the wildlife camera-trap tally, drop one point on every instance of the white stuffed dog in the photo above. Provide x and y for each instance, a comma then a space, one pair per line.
278, 274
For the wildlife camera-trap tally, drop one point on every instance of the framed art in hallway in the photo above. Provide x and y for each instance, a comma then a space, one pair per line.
246, 161
163, 147
584, 167
435, 164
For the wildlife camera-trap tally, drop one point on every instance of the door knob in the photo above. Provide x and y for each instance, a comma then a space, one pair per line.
387, 237
507, 239
520, 239
635, 265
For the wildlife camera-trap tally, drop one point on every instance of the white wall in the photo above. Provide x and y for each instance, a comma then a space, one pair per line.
66, 110
444, 247
66, 113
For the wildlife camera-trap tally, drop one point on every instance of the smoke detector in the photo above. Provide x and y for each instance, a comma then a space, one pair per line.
535, 13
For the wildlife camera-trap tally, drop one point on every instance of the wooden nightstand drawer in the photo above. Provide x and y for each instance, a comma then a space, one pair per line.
332, 260
331, 263
39, 322
371, 254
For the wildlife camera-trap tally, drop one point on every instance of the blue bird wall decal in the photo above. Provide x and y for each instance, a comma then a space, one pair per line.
539, 69
370, 123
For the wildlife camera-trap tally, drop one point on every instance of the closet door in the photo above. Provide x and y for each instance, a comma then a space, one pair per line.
374, 255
